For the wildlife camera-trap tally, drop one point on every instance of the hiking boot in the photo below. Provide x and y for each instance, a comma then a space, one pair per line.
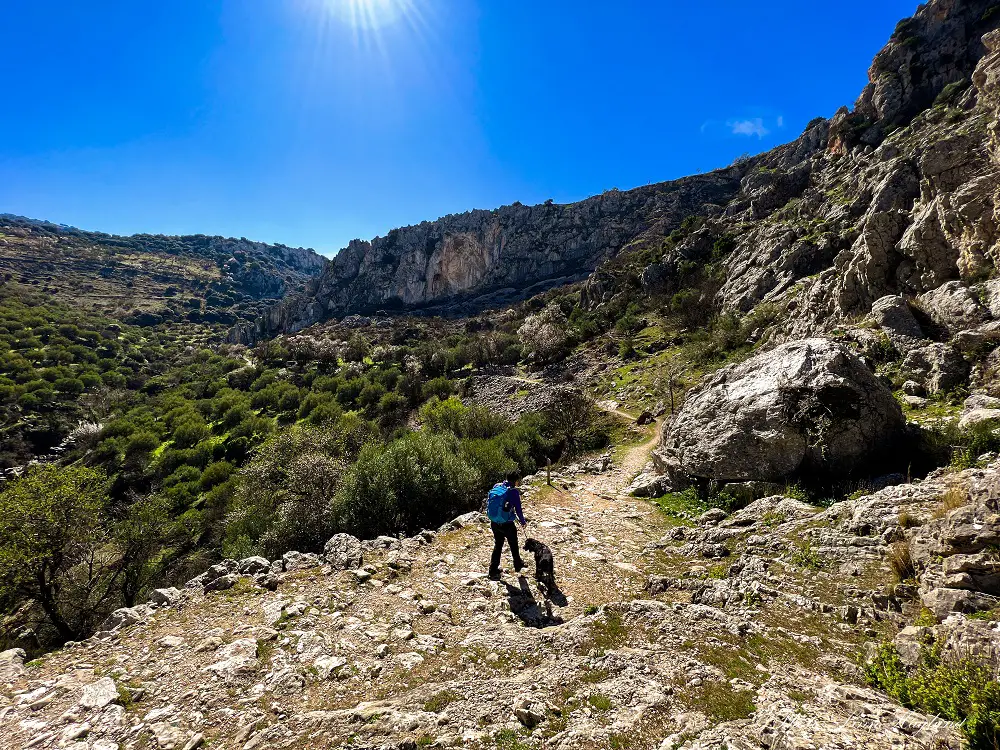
494, 575
519, 567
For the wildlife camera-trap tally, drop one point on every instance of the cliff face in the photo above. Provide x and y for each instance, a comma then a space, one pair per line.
470, 261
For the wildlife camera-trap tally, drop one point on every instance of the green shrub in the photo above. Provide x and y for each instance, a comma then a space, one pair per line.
963, 692
283, 497
805, 556
440, 388
50, 523
413, 483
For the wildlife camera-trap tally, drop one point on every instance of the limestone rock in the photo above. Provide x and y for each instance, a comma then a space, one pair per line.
529, 711
343, 552
11, 664
896, 319
649, 485
126, 616
299, 561
953, 307
164, 597
99, 694
808, 405
252, 566
235, 659
938, 368
222, 583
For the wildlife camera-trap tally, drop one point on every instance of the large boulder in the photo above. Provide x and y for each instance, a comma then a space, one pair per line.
896, 319
806, 407
344, 552
937, 367
953, 307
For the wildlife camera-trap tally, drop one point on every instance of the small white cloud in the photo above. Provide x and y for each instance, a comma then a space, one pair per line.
781, 121
749, 127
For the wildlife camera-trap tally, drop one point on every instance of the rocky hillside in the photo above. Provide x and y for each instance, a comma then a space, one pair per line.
147, 279
856, 198
677, 629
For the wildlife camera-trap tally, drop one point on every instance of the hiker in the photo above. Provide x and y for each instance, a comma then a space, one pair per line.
503, 506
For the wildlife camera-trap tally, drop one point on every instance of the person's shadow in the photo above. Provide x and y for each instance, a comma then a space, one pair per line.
528, 609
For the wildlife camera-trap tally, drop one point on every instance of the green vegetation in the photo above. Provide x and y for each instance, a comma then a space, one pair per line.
599, 702
63, 545
682, 505
206, 453
606, 634
440, 701
507, 739
805, 556
964, 691
720, 701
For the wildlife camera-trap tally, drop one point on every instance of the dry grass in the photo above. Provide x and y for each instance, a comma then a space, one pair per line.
955, 497
900, 562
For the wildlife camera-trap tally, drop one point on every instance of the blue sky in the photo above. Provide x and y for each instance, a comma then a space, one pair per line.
292, 123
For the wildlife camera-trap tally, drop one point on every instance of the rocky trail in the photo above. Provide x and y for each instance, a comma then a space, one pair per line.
665, 632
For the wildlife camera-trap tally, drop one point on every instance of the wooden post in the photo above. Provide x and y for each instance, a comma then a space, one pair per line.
548, 471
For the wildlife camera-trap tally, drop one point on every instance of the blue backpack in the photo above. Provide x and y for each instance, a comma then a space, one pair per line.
498, 506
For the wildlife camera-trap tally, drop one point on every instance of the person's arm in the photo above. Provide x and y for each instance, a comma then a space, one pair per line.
516, 504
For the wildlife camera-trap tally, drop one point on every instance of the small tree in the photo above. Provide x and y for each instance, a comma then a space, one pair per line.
545, 335
284, 495
52, 546
139, 537
574, 420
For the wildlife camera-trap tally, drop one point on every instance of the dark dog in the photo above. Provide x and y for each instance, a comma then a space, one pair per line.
545, 572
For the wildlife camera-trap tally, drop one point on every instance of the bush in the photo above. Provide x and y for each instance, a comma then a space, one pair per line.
415, 482
577, 424
283, 497
440, 388
51, 523
188, 434
963, 692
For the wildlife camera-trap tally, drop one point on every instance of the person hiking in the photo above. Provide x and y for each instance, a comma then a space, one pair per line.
503, 506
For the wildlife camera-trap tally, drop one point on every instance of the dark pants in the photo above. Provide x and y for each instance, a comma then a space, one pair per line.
504, 532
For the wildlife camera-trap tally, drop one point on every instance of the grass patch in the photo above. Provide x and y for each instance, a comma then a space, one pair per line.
244, 586
719, 572
681, 506
439, 701
772, 518
720, 701
954, 498
606, 634
599, 702
265, 649
124, 695
901, 563
806, 557
507, 739
593, 676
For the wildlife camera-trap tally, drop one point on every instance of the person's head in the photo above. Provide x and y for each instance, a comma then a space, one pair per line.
513, 478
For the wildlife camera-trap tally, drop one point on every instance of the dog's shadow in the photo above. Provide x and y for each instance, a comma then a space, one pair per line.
528, 609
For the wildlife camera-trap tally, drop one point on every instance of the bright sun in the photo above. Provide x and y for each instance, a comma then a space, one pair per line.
370, 14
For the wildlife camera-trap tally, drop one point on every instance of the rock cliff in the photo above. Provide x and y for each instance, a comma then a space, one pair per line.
478, 259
